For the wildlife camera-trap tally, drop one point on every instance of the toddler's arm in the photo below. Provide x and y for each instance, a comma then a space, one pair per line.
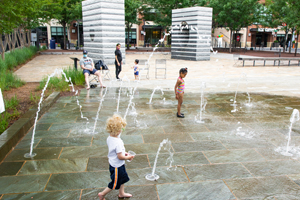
123, 157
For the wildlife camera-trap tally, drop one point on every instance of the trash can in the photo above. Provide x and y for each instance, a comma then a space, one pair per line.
52, 44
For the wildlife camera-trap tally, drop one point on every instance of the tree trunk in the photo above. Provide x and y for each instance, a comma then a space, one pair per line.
64, 31
28, 33
296, 43
291, 42
128, 31
21, 36
285, 39
18, 36
3, 47
14, 39
9, 41
230, 41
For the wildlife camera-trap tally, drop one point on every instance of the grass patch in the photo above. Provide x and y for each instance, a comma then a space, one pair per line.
4, 121
34, 98
10, 113
13, 59
11, 103
59, 83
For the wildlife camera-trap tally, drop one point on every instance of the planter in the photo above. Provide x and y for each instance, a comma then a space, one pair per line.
276, 44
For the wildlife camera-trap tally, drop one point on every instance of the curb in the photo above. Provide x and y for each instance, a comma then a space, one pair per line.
11, 136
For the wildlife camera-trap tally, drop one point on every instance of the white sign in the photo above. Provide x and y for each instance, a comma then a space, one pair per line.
33, 37
143, 32
266, 29
2, 106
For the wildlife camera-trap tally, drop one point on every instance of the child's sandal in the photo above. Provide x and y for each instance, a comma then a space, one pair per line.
180, 116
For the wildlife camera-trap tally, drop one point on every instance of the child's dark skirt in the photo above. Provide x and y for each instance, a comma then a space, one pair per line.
118, 177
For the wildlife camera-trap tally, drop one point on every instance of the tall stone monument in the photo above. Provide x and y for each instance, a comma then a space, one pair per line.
191, 35
103, 28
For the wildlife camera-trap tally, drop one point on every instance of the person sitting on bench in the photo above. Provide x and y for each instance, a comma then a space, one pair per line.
87, 64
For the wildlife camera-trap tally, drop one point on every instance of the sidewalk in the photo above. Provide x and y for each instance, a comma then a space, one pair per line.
219, 73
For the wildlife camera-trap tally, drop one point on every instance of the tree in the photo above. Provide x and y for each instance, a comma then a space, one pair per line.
19, 17
65, 11
131, 12
235, 14
160, 12
10, 17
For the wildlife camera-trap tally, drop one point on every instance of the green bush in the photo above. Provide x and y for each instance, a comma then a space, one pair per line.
60, 84
44, 48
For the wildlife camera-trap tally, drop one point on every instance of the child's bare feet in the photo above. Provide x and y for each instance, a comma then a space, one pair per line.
125, 195
101, 196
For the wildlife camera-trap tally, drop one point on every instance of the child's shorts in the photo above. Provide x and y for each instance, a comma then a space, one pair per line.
136, 73
118, 177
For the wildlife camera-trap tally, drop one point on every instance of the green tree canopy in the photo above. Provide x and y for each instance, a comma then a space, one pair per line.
131, 12
160, 12
65, 11
235, 14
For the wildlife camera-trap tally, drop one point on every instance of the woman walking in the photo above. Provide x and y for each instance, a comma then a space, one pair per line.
118, 60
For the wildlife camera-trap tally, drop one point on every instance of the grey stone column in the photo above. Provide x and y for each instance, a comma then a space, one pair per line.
191, 42
105, 21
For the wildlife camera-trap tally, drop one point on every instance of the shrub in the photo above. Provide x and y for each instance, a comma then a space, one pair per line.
44, 48
59, 83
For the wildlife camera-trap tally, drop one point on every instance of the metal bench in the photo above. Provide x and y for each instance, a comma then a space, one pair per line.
279, 59
161, 64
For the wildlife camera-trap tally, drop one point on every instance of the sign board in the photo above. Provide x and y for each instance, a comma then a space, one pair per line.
143, 32
33, 37
238, 38
2, 106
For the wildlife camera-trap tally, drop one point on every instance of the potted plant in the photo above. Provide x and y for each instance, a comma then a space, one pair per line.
276, 43
294, 43
58, 46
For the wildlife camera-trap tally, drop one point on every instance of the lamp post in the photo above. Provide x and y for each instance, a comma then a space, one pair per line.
144, 33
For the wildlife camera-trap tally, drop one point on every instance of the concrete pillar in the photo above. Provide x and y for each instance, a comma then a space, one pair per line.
104, 20
189, 44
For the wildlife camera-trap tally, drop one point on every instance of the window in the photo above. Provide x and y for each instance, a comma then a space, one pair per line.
57, 34
58, 31
132, 36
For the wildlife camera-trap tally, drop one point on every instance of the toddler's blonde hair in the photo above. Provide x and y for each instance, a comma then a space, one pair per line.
115, 124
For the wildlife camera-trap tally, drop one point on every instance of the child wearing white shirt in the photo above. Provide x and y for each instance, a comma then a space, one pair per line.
116, 158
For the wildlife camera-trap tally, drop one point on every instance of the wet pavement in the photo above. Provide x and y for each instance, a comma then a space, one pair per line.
233, 155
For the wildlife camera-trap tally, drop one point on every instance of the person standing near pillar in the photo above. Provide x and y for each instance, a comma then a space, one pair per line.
118, 60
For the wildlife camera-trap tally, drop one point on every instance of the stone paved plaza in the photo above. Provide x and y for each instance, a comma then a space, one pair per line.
233, 155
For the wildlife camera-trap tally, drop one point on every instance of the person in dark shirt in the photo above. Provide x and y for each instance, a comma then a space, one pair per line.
118, 60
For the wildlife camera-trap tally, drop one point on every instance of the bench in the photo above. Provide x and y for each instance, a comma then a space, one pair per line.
270, 59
